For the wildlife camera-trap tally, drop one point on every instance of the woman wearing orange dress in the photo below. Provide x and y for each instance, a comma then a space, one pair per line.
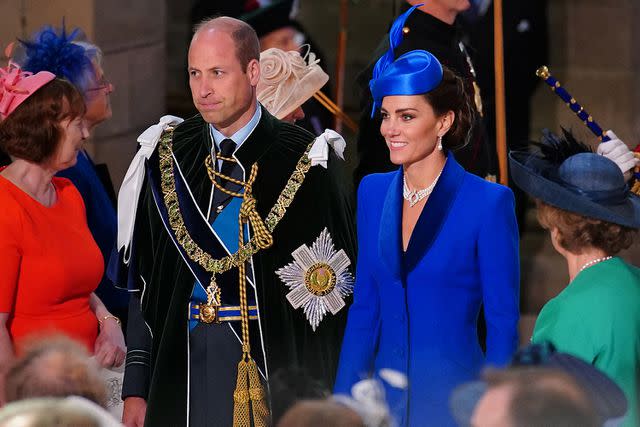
49, 261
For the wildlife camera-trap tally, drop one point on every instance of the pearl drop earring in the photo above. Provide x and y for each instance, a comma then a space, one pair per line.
439, 143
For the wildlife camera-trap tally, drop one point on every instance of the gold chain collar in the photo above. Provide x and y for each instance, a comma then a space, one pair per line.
249, 395
195, 253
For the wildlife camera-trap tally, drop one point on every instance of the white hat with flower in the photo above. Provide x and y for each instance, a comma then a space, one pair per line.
287, 80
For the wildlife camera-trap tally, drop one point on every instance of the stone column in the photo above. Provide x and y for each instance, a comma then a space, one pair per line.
132, 38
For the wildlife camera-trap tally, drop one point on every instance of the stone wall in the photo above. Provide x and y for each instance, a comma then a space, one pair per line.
132, 37
594, 54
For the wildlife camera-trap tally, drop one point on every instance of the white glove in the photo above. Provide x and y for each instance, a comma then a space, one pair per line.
617, 151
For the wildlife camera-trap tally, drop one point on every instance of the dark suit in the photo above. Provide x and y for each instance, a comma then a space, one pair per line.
525, 49
157, 368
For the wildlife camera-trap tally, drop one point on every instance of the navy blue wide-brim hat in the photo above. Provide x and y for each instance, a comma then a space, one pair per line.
585, 183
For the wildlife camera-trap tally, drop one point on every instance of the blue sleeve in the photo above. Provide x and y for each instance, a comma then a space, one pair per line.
363, 324
499, 262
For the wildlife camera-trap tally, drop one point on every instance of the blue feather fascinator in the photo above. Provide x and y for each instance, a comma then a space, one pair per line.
60, 53
416, 72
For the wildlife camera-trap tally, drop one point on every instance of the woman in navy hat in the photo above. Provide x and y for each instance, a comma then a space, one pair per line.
591, 215
435, 244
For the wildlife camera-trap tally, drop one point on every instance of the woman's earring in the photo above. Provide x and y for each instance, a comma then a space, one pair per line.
439, 143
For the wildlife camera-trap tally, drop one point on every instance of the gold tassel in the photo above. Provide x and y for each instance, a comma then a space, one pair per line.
257, 396
249, 397
241, 410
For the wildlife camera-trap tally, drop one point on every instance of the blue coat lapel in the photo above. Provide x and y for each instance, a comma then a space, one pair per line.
390, 235
434, 213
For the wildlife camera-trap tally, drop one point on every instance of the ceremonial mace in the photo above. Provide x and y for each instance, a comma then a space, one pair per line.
544, 73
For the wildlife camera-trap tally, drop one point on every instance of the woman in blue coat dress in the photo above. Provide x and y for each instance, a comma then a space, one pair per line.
435, 244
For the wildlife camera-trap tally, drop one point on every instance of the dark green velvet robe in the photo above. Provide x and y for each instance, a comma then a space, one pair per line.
323, 201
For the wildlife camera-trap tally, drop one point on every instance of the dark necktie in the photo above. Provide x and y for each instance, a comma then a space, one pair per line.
227, 147
230, 169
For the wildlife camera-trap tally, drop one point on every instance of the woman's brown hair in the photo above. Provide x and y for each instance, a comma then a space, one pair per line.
32, 132
577, 232
451, 95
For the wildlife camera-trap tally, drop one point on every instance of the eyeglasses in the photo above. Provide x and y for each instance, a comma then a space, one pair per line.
100, 85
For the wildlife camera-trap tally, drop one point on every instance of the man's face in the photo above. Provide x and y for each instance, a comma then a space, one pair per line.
222, 91
492, 409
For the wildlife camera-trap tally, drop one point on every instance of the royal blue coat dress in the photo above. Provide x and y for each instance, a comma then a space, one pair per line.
416, 312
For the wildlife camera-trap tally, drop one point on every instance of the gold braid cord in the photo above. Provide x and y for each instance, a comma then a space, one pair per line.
249, 396
213, 174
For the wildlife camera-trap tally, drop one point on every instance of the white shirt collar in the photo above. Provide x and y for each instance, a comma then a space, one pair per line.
241, 134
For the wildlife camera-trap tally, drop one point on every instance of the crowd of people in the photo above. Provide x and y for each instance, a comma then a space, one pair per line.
252, 287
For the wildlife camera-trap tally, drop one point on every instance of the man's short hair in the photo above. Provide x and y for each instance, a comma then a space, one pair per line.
243, 35
56, 367
544, 397
320, 413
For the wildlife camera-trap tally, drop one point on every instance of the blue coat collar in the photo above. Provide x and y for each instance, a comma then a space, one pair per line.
429, 223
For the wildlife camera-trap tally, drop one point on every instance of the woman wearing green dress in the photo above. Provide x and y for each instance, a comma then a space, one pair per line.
585, 204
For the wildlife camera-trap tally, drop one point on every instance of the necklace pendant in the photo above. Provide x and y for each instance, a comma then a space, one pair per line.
414, 198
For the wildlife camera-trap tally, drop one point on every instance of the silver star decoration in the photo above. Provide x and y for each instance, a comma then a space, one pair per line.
318, 279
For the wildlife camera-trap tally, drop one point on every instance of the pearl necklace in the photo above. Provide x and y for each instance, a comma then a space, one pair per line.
414, 196
595, 261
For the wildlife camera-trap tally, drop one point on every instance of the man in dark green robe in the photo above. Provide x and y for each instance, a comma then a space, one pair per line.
181, 370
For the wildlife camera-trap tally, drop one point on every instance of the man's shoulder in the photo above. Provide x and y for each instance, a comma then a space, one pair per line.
286, 136
294, 132
189, 128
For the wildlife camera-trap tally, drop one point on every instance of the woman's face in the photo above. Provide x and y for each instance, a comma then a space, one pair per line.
75, 133
285, 38
97, 99
411, 128
294, 116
